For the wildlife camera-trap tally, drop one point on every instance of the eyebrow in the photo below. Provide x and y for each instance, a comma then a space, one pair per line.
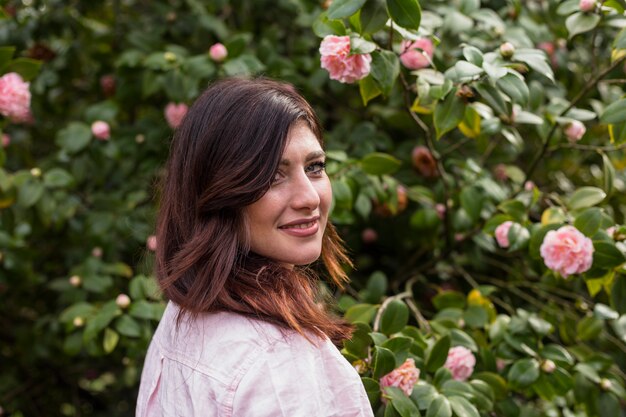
309, 157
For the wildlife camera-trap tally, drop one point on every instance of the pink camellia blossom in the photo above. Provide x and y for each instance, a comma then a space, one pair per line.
587, 5
502, 234
6, 140
460, 362
14, 98
574, 131
174, 114
417, 54
404, 377
342, 66
218, 52
529, 186
567, 251
101, 130
441, 210
151, 243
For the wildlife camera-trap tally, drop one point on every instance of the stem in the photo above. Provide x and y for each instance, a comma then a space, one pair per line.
592, 83
588, 147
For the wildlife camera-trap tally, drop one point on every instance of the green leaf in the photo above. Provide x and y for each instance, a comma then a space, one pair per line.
74, 138
26, 67
618, 294
394, 318
589, 328
439, 407
495, 381
128, 326
606, 255
523, 373
383, 362
29, 193
585, 197
360, 340
368, 89
401, 403
344, 8
438, 354
608, 171
472, 202
588, 222
620, 40
361, 312
460, 338
514, 87
100, 321
423, 394
6, 53
372, 389
373, 16
536, 239
473, 55
406, 13
448, 114
581, 22
476, 317
323, 26
448, 299
80, 309
57, 177
385, 69
143, 309
358, 45
492, 97
535, 59
614, 112
378, 163
111, 337
462, 407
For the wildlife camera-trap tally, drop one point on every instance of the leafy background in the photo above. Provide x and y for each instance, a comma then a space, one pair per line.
426, 278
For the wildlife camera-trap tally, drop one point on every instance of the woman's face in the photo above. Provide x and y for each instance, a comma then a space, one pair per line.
288, 222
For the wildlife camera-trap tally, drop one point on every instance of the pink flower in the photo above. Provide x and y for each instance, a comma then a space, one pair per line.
107, 83
417, 54
574, 131
403, 377
6, 140
14, 98
369, 235
441, 210
567, 251
460, 362
151, 243
424, 162
174, 114
342, 66
218, 52
529, 186
502, 234
101, 130
587, 5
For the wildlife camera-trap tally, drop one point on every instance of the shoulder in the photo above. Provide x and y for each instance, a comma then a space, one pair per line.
300, 377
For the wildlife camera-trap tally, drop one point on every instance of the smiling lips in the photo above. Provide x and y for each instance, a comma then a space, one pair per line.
302, 227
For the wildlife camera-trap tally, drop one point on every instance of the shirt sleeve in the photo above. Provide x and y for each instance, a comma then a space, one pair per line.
299, 379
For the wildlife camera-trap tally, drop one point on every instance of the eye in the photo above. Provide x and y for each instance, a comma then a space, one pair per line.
278, 177
316, 168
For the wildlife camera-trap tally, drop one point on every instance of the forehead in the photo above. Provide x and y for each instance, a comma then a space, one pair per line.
301, 141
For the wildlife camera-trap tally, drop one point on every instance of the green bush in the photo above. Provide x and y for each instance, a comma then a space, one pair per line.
518, 115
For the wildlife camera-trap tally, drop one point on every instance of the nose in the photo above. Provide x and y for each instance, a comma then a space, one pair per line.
304, 195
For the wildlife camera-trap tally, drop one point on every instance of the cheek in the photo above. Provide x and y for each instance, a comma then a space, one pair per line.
326, 194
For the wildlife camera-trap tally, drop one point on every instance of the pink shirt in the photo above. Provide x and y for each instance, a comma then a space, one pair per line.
224, 364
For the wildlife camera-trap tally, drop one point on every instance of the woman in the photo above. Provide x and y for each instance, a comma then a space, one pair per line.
245, 206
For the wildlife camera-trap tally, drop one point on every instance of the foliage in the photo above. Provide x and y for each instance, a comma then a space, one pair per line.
493, 115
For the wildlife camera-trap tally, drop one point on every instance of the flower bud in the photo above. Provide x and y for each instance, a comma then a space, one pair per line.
360, 366
75, 281
78, 321
35, 172
140, 138
529, 186
587, 5
548, 366
107, 84
574, 131
151, 243
96, 252
218, 52
441, 210
101, 130
507, 50
170, 56
403, 200
606, 384
369, 235
424, 162
122, 301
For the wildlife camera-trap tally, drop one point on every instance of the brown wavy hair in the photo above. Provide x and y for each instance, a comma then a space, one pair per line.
223, 158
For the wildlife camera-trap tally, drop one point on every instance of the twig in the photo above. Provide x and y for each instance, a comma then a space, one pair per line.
588, 147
